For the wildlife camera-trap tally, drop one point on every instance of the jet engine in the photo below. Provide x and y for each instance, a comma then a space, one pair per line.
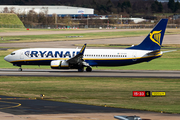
59, 64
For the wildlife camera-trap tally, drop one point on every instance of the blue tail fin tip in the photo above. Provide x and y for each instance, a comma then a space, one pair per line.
154, 39
82, 49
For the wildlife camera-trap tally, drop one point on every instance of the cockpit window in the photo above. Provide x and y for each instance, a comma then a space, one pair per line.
12, 53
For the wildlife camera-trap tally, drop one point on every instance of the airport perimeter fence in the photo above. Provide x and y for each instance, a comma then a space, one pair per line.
126, 26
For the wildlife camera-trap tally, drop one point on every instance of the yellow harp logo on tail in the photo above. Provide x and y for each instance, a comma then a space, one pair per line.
155, 36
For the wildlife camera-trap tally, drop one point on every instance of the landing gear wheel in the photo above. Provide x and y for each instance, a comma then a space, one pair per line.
20, 69
88, 69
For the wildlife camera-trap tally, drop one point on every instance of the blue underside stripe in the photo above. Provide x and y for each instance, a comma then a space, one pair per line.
99, 62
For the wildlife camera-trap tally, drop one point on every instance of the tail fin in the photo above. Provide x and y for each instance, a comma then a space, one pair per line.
154, 39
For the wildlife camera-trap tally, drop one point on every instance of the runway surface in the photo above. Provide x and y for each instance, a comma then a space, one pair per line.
94, 73
168, 39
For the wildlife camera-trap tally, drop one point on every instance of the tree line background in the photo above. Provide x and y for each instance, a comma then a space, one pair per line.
103, 7
113, 8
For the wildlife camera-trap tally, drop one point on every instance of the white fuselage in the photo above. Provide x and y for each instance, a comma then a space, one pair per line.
95, 57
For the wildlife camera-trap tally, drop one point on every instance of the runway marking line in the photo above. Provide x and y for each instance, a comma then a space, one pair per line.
18, 104
18, 98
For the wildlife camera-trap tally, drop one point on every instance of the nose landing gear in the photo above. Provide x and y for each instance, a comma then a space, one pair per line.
20, 69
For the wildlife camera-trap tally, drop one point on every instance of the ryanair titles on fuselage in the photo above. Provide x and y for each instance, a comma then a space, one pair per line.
53, 54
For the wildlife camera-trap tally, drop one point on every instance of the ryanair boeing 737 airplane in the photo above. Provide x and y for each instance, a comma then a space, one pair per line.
59, 58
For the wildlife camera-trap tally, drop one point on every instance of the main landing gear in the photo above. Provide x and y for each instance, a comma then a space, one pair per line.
88, 69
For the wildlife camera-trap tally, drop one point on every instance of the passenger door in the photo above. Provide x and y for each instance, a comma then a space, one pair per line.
22, 55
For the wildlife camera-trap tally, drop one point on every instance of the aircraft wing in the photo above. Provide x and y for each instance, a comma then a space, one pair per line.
79, 57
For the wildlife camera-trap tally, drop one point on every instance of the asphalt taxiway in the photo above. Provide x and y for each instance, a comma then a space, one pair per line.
36, 106
12, 108
94, 73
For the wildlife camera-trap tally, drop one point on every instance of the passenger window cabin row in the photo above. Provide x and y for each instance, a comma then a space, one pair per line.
88, 55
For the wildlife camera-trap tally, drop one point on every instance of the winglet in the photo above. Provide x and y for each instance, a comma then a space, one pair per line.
82, 49
78, 57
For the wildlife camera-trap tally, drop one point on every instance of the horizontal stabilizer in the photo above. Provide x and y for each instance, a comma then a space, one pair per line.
168, 51
154, 52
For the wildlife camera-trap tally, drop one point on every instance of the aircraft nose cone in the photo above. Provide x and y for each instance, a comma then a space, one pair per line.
6, 58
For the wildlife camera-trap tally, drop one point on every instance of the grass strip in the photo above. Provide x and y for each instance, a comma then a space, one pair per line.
8, 19
114, 92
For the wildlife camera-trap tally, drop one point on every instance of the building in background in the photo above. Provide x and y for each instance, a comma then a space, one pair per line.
60, 11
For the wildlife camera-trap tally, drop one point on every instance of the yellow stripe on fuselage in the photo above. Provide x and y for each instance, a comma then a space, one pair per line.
54, 65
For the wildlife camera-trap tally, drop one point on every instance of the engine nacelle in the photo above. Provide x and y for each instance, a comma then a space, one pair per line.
59, 64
